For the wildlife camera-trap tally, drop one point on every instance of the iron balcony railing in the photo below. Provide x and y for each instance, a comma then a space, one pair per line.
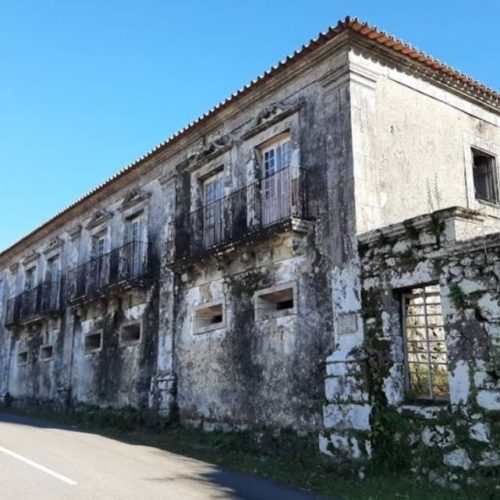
121, 265
259, 205
40, 301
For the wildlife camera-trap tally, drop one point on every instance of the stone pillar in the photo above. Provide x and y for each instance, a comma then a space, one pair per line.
163, 383
346, 415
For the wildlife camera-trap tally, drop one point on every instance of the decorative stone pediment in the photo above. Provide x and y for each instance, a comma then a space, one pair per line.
211, 150
75, 232
99, 217
30, 257
134, 197
54, 244
271, 114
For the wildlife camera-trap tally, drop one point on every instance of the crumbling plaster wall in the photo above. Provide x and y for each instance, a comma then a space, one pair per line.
254, 372
103, 377
412, 139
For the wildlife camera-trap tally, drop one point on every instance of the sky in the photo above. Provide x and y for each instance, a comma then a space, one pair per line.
86, 87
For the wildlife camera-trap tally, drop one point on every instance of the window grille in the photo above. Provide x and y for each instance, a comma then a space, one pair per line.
425, 342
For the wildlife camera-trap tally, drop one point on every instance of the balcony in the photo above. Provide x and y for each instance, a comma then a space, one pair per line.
35, 304
122, 268
274, 203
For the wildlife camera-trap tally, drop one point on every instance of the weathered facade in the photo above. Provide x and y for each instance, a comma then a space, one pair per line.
250, 271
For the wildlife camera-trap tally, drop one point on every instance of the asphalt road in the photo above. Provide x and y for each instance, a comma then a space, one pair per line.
43, 461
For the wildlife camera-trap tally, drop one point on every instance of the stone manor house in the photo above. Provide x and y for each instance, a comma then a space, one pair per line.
319, 250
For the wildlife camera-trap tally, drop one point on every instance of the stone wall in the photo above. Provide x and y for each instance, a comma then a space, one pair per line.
450, 439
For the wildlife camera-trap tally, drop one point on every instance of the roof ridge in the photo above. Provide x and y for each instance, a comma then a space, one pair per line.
352, 23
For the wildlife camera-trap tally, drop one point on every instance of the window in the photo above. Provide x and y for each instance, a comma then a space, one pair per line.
46, 352
98, 245
133, 229
208, 317
213, 216
276, 182
276, 156
275, 302
1, 296
133, 253
29, 278
130, 333
52, 269
485, 177
426, 353
22, 357
93, 342
99, 268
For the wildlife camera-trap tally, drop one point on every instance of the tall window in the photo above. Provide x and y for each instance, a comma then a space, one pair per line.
133, 229
426, 352
99, 267
29, 278
213, 216
98, 245
276, 188
134, 250
277, 156
2, 290
52, 269
485, 177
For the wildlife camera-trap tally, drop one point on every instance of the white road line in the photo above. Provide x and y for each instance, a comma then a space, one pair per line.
38, 466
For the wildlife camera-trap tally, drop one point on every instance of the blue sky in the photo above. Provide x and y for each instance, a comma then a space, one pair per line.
87, 87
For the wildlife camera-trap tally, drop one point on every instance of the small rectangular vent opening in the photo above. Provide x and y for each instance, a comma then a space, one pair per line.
130, 333
22, 358
209, 318
46, 352
93, 342
275, 303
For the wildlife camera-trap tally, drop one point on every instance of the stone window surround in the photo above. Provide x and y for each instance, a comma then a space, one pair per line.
55, 255
27, 268
213, 327
261, 315
46, 359
22, 351
479, 144
126, 343
401, 296
97, 233
136, 207
90, 352
287, 125
219, 164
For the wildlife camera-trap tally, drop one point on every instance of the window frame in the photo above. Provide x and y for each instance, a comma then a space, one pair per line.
493, 162
217, 179
200, 329
430, 398
45, 346
125, 343
97, 349
264, 314
18, 354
